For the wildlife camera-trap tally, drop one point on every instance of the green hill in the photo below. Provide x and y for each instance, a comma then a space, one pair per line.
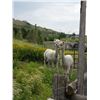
34, 33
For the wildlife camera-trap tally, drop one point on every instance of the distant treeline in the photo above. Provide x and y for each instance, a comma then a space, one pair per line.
33, 33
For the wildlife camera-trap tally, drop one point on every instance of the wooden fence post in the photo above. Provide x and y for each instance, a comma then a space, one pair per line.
81, 47
59, 87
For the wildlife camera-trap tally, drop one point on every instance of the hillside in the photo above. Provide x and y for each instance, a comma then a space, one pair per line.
34, 33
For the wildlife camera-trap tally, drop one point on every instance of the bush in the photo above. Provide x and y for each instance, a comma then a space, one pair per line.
32, 80
27, 87
29, 82
27, 53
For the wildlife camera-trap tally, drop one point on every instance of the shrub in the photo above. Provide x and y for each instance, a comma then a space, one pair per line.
24, 51
27, 53
28, 82
30, 53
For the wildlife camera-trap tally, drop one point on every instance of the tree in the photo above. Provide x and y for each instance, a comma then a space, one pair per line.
39, 37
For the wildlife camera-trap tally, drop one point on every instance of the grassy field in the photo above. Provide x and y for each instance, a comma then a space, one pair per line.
32, 45
31, 79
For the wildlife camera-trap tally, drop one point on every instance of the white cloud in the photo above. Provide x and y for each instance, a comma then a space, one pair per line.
59, 16
49, 0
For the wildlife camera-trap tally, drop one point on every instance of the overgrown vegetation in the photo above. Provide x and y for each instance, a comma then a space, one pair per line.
31, 79
25, 51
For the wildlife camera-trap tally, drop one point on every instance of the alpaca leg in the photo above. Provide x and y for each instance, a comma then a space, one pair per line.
44, 63
66, 72
68, 69
52, 63
49, 63
67, 76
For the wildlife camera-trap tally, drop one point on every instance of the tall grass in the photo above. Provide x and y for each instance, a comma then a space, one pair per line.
24, 51
32, 80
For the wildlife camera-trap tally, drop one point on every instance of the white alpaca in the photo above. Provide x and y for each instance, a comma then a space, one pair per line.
67, 63
49, 56
58, 43
67, 60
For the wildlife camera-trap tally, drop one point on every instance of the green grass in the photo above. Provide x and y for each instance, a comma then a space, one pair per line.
26, 43
73, 75
31, 79
26, 51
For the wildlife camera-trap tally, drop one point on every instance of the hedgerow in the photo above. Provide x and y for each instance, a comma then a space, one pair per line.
27, 53
24, 51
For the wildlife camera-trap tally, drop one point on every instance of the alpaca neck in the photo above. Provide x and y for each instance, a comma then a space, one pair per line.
63, 56
56, 54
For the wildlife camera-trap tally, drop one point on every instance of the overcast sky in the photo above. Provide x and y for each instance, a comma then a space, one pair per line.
61, 16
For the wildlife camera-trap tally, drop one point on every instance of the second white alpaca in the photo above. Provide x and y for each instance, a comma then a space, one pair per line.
67, 63
67, 60
49, 56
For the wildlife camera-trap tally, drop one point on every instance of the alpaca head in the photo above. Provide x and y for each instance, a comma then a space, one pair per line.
58, 43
